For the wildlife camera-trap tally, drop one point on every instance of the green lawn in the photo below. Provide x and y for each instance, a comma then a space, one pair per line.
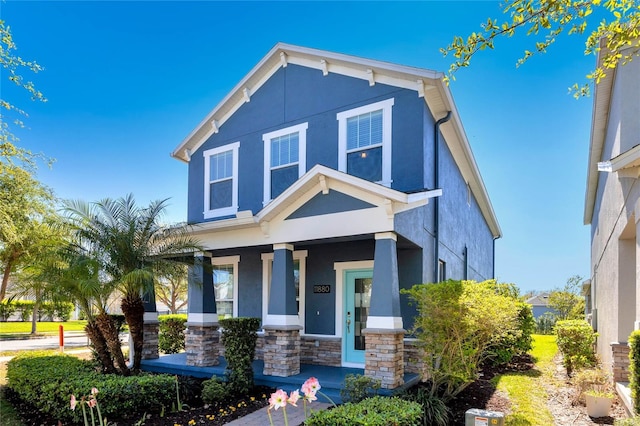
45, 327
527, 395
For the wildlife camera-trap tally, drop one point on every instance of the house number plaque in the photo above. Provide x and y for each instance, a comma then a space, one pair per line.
322, 288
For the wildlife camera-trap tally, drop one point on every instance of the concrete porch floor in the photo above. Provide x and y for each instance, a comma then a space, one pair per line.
331, 378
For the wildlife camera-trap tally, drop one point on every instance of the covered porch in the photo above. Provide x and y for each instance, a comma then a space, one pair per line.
331, 378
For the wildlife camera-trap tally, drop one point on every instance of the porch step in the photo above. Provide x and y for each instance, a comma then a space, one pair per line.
331, 378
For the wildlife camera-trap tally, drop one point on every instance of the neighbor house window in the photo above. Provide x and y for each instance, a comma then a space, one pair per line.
299, 271
442, 270
285, 153
221, 181
225, 285
364, 142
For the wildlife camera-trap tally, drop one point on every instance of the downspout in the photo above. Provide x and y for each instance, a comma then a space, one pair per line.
436, 185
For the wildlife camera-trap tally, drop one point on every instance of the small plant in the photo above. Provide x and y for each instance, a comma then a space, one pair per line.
171, 333
589, 379
239, 337
214, 391
600, 393
632, 421
179, 405
92, 402
434, 410
358, 387
634, 369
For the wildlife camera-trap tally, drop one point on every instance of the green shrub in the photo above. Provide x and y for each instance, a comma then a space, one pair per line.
632, 421
47, 311
634, 369
576, 340
214, 391
239, 337
376, 411
171, 333
358, 387
458, 324
47, 382
516, 341
545, 323
434, 410
25, 307
7, 309
63, 310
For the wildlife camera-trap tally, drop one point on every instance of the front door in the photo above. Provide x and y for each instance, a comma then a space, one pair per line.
357, 300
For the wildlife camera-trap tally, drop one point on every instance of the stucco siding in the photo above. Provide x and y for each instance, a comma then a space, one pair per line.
462, 224
613, 228
294, 95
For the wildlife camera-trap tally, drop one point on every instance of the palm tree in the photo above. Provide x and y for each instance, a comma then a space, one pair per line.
132, 248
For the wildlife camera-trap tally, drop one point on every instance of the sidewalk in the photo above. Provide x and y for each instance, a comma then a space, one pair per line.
295, 416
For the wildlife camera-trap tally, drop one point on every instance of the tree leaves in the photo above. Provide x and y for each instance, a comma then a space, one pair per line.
617, 39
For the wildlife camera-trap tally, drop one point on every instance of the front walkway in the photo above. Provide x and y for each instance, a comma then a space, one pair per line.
295, 415
331, 378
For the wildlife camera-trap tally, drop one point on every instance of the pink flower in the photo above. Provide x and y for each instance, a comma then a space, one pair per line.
92, 402
73, 402
311, 386
311, 396
278, 399
94, 391
294, 397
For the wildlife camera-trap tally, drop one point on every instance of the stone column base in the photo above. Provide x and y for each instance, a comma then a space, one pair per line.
281, 354
150, 331
384, 356
620, 363
202, 344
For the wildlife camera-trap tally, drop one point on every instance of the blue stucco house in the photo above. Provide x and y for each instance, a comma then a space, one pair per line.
321, 186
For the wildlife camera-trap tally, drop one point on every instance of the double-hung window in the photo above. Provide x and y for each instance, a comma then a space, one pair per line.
364, 142
285, 153
225, 285
221, 181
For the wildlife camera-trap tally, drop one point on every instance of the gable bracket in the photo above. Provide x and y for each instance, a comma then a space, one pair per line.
388, 206
283, 59
215, 125
187, 154
371, 77
264, 227
324, 65
420, 88
323, 184
247, 95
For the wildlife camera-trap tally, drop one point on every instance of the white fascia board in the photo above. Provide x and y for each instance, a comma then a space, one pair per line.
458, 143
627, 159
599, 120
242, 221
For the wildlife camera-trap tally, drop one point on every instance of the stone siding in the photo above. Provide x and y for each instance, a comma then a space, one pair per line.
620, 364
281, 354
150, 340
384, 356
202, 345
321, 351
413, 358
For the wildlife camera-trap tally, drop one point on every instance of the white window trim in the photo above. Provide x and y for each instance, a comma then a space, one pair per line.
267, 263
301, 129
342, 117
226, 211
230, 260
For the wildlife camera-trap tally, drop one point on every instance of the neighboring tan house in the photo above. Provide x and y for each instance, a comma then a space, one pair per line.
321, 186
612, 208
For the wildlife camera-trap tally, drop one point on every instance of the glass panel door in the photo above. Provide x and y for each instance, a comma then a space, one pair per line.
357, 302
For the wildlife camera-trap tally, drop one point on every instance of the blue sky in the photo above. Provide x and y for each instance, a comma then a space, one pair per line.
127, 81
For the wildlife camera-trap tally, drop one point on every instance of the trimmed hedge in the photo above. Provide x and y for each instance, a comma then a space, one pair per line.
171, 333
376, 411
48, 311
48, 381
576, 340
239, 337
634, 369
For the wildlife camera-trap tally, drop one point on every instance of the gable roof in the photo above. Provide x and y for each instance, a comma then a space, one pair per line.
599, 120
541, 299
427, 84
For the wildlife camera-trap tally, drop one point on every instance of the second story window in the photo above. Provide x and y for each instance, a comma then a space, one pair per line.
364, 142
221, 181
284, 159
